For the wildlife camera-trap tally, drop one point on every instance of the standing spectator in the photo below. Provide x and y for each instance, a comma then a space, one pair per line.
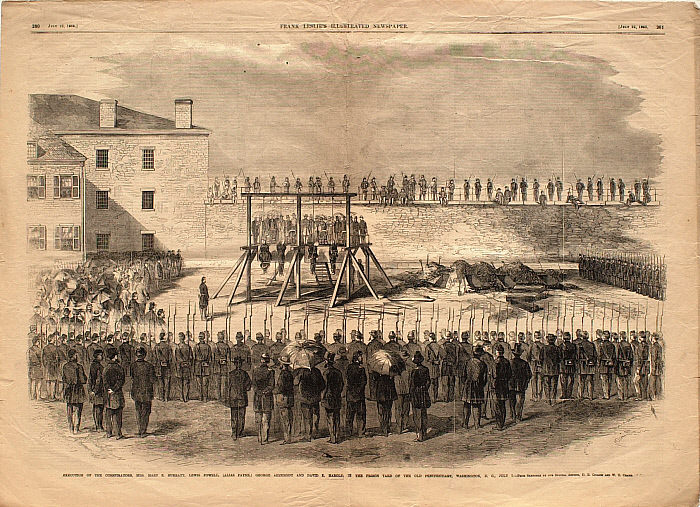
501, 381
97, 389
284, 389
143, 378
239, 384
402, 409
203, 299
74, 381
114, 382
333, 398
518, 383
263, 401
183, 366
386, 394
311, 385
355, 395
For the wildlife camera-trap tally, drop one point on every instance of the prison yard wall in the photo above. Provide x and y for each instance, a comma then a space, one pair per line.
485, 233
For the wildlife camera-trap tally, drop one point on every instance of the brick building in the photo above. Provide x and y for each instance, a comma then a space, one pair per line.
138, 181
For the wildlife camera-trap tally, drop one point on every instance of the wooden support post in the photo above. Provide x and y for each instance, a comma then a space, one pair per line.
348, 265
295, 259
297, 266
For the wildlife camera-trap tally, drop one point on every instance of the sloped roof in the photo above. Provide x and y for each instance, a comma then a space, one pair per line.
51, 147
72, 113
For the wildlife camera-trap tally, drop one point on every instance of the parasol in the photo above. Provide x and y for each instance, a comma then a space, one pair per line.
304, 354
386, 362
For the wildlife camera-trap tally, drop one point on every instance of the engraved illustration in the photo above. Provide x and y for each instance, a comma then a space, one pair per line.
400, 254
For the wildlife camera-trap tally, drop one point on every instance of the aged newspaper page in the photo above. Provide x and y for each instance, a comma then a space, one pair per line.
348, 253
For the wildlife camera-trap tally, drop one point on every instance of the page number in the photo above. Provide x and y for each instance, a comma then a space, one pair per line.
35, 25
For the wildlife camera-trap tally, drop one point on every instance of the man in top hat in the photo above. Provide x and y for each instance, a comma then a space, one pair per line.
550, 356
474, 379
143, 378
114, 378
202, 366
263, 401
183, 366
519, 382
284, 391
164, 360
419, 395
355, 395
97, 389
333, 398
606, 364
73, 391
239, 384
220, 366
501, 381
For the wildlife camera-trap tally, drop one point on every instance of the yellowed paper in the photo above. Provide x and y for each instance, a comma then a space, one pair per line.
148, 134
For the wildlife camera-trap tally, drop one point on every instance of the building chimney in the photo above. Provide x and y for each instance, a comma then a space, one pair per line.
108, 113
32, 149
183, 113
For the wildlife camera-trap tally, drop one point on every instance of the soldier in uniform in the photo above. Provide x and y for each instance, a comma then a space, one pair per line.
240, 349
163, 363
202, 366
518, 383
74, 380
624, 366
263, 401
606, 363
257, 350
203, 298
356, 344
183, 366
355, 395
656, 357
375, 344
550, 356
239, 384
419, 395
126, 353
535, 360
587, 361
311, 385
276, 348
143, 378
613, 188
501, 380
434, 353
333, 398
448, 369
113, 377
222, 356
402, 408
568, 367
36, 373
97, 389
466, 190
642, 367
334, 347
284, 398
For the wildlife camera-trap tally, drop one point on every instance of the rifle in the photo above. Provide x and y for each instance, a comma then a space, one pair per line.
459, 327
189, 312
498, 320
265, 322
403, 322
645, 315
437, 319
431, 318
636, 325
174, 323
418, 312
573, 313
168, 324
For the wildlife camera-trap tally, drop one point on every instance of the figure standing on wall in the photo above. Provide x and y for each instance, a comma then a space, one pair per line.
203, 298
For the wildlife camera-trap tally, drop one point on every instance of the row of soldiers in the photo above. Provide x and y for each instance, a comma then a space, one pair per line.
411, 188
467, 369
642, 274
320, 229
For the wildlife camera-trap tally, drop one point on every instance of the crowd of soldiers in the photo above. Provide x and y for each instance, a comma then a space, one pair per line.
486, 372
410, 189
102, 294
643, 274
274, 228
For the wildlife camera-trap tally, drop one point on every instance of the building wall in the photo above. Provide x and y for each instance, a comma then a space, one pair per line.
51, 212
179, 181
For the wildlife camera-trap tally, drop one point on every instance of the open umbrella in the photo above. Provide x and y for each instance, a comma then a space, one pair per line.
386, 362
304, 354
